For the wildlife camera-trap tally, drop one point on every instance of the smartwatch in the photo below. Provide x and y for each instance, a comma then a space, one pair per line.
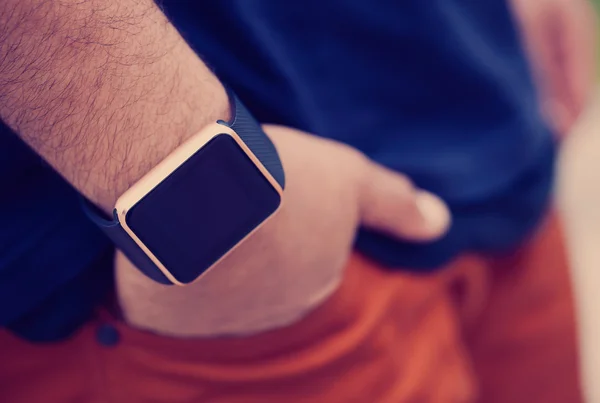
202, 200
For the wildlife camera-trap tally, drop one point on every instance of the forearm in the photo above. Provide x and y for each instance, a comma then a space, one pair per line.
102, 89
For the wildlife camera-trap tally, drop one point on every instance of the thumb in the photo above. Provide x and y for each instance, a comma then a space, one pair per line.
390, 203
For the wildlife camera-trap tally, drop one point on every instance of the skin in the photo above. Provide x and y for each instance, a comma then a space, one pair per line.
560, 37
105, 89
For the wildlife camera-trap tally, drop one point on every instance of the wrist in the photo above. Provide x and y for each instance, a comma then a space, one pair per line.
102, 90
176, 118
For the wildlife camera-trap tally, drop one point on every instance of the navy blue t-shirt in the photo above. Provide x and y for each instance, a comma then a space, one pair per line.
438, 89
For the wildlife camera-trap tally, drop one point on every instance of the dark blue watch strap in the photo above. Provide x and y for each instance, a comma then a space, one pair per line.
244, 124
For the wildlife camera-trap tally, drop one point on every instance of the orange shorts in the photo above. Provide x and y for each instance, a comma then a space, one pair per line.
481, 330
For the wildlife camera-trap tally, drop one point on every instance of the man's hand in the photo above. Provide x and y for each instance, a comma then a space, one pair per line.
105, 89
560, 38
296, 260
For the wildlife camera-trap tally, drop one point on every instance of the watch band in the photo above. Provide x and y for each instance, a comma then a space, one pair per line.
244, 124
248, 129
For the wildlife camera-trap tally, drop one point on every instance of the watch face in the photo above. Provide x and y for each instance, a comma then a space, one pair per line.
203, 209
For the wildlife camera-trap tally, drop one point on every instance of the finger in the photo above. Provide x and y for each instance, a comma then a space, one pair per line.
577, 42
542, 34
391, 204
